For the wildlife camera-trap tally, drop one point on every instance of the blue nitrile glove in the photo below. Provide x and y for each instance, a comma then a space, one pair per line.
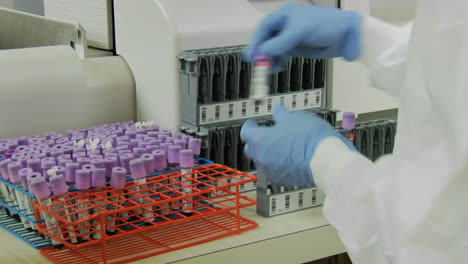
286, 149
298, 30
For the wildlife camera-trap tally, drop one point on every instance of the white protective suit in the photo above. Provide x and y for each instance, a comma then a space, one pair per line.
409, 207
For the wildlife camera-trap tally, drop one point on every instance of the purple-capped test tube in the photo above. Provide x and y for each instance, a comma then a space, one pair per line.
125, 160
18, 197
34, 164
59, 187
165, 147
138, 173
148, 161
195, 145
118, 181
186, 165
173, 156
70, 173
110, 163
83, 183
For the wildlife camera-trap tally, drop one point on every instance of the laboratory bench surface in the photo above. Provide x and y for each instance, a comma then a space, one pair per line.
291, 238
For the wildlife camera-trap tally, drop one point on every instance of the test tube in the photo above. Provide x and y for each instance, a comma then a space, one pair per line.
17, 195
195, 145
125, 160
160, 165
98, 181
60, 189
186, 165
83, 183
40, 188
24, 174
260, 88
118, 181
70, 170
138, 172
173, 158
348, 124
6, 190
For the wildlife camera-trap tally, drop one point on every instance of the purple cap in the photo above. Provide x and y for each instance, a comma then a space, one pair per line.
131, 133
122, 138
70, 169
113, 154
155, 142
47, 163
88, 167
125, 160
139, 151
98, 178
34, 164
49, 142
68, 149
82, 161
94, 152
18, 155
166, 131
142, 144
137, 169
160, 159
111, 162
23, 161
56, 136
58, 184
83, 179
118, 178
49, 134
134, 143
13, 169
170, 140
33, 176
140, 136
39, 156
79, 154
151, 148
23, 174
178, 135
22, 148
95, 156
4, 149
123, 147
40, 188
162, 137
64, 156
22, 140
173, 154
349, 120
181, 143
61, 141
186, 138
148, 161
124, 151
12, 145
195, 145
186, 158
62, 162
98, 163
152, 134
10, 153
60, 170
165, 146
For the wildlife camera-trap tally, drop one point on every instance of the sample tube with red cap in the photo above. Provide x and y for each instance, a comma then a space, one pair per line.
348, 124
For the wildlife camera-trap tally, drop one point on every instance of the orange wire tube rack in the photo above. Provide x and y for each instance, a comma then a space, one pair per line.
168, 212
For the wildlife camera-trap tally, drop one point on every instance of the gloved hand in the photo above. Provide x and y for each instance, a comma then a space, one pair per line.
285, 150
298, 30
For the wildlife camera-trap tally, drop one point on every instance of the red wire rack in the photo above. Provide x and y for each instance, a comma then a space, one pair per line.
166, 213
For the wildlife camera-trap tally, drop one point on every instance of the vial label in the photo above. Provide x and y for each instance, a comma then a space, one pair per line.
273, 205
314, 197
317, 99
301, 199
306, 99
217, 110
269, 106
231, 110
203, 114
244, 108
287, 202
